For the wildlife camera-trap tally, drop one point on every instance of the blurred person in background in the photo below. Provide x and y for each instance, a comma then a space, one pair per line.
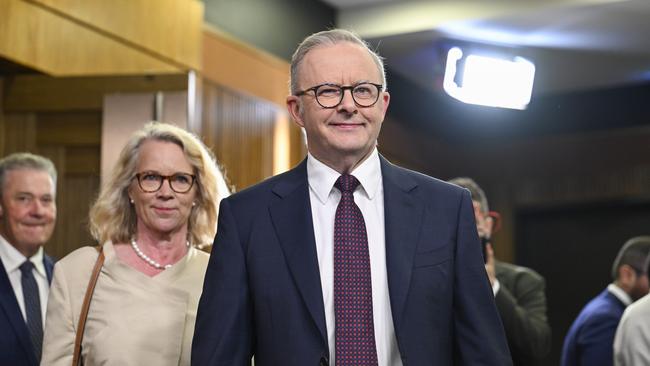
519, 291
27, 218
159, 204
590, 339
632, 340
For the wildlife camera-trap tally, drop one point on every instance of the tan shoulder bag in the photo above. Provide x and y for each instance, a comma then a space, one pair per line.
76, 357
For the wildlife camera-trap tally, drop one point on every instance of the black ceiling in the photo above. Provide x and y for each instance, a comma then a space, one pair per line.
445, 118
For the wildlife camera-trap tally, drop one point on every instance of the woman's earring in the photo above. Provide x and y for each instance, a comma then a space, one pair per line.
132, 201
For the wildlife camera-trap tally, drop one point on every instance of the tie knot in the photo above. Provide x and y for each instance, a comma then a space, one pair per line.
346, 183
26, 267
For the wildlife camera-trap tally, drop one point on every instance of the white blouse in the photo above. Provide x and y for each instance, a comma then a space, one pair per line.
133, 319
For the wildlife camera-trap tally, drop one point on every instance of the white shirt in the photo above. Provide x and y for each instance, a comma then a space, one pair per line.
632, 340
620, 294
369, 196
496, 287
12, 259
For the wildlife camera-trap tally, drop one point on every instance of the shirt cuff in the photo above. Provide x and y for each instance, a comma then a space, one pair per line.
495, 287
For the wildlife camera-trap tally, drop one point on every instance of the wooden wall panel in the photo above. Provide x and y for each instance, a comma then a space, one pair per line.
243, 110
240, 131
2, 116
74, 202
231, 63
168, 29
82, 161
68, 128
35, 36
547, 171
19, 132
45, 93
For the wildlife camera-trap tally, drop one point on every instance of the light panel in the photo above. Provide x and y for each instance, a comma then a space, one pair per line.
489, 81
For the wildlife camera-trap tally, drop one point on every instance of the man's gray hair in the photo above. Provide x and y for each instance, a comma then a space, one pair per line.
25, 160
475, 191
330, 38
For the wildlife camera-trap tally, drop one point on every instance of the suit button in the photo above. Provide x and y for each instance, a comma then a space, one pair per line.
323, 362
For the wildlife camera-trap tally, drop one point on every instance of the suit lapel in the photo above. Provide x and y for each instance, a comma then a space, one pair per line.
403, 214
292, 220
9, 305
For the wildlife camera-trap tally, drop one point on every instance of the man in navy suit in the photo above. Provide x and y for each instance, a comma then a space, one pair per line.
27, 217
274, 284
590, 339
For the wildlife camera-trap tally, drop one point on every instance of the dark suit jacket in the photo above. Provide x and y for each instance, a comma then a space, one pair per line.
15, 345
590, 339
262, 292
522, 305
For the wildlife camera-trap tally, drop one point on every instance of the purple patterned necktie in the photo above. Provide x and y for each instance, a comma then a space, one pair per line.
355, 332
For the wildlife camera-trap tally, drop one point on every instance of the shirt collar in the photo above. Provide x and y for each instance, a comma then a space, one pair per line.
620, 294
12, 258
322, 178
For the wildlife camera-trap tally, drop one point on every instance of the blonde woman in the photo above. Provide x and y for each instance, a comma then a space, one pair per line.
159, 205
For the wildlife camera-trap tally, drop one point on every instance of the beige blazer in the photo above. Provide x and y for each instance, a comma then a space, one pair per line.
133, 319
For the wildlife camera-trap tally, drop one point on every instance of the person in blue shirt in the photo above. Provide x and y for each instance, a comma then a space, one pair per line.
590, 339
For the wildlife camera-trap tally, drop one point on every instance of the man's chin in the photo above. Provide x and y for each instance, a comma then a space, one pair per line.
637, 294
29, 247
34, 242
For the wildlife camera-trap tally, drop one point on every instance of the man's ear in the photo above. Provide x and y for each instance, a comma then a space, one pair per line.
626, 275
489, 220
386, 97
293, 107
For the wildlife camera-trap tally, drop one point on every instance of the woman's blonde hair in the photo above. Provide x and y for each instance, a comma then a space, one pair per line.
112, 217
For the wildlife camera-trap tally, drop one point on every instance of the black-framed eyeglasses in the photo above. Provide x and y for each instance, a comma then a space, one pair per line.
151, 181
331, 95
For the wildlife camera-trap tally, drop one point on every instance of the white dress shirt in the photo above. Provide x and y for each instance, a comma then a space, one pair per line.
12, 259
620, 294
632, 340
369, 196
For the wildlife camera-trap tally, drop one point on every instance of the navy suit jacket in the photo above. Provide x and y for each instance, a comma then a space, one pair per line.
262, 292
590, 339
15, 344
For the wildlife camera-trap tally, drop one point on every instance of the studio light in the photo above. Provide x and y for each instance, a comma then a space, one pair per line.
489, 81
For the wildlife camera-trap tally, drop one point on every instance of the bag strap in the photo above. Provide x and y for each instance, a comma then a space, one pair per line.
76, 357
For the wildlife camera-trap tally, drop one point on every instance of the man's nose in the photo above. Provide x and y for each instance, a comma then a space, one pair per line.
37, 208
347, 103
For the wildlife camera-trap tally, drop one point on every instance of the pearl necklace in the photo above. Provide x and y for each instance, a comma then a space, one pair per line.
148, 259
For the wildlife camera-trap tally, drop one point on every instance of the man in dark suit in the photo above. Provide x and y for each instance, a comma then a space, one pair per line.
518, 291
27, 217
590, 339
346, 259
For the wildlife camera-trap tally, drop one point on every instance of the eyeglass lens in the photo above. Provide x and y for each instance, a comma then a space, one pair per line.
364, 95
151, 182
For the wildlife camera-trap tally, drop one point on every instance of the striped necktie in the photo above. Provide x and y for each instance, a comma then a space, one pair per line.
32, 306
